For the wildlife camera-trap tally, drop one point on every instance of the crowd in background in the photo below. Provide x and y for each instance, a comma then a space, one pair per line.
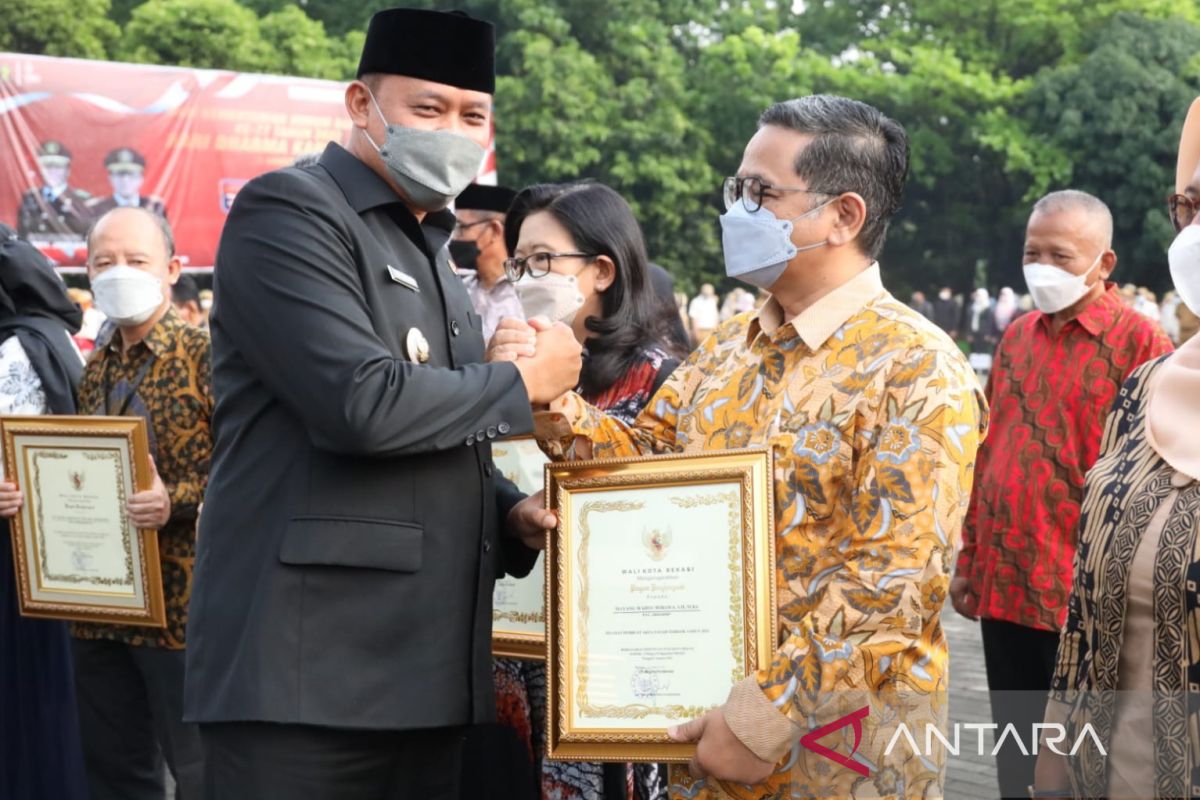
975, 320
355, 518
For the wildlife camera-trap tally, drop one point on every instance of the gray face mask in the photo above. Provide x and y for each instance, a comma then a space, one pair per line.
432, 167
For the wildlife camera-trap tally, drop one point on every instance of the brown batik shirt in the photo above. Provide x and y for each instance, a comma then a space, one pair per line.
166, 379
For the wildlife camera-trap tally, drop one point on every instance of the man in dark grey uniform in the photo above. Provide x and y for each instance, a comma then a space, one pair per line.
55, 209
126, 173
354, 525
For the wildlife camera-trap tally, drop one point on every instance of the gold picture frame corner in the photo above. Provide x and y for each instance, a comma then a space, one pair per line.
753, 637
133, 431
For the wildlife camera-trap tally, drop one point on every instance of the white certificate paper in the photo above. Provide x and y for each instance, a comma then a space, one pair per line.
657, 598
519, 604
83, 547
79, 505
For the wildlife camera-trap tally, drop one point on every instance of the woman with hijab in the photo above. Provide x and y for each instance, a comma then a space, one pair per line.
1129, 654
1006, 311
982, 336
40, 754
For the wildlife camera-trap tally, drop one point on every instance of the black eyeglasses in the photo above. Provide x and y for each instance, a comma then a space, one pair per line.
1183, 210
536, 265
750, 191
460, 226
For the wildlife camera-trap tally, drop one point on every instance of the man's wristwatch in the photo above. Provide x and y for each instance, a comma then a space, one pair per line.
1034, 792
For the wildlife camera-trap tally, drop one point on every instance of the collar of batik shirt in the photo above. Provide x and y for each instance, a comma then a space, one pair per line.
823, 318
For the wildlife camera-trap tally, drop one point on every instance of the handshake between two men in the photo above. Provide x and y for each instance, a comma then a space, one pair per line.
549, 358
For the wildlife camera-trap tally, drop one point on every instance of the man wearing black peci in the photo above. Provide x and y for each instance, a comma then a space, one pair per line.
341, 622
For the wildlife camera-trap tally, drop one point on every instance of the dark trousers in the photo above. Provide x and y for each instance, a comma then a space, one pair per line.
266, 761
1020, 663
131, 719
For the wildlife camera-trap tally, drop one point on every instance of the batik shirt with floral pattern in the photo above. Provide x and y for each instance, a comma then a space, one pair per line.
174, 395
874, 418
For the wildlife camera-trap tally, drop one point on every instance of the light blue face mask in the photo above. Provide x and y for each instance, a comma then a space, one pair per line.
758, 245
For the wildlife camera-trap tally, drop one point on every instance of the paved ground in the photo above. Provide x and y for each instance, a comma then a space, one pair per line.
969, 776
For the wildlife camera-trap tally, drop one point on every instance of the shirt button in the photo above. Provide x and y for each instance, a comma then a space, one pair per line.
454, 329
491, 432
487, 547
504, 428
470, 441
489, 470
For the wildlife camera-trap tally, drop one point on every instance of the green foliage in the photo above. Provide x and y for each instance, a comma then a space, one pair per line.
301, 46
1003, 100
1122, 107
218, 34
77, 28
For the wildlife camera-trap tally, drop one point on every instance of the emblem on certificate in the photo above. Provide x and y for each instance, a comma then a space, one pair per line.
519, 604
661, 596
76, 551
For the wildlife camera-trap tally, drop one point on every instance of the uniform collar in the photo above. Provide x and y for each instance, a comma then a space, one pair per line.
471, 279
158, 341
1097, 316
823, 318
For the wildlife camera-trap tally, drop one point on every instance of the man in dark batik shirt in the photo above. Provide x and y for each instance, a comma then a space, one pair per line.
153, 365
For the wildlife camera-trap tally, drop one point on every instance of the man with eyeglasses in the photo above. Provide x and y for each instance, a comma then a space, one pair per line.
873, 416
479, 252
1054, 377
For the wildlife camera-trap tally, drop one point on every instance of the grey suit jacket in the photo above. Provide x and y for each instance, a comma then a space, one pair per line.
352, 529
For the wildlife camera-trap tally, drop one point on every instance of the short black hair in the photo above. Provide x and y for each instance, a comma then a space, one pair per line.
855, 148
185, 290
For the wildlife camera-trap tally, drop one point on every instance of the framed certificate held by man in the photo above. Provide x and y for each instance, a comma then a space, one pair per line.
519, 604
661, 596
77, 553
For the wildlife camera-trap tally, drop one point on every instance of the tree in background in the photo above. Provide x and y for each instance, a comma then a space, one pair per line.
1114, 118
1003, 100
214, 34
78, 28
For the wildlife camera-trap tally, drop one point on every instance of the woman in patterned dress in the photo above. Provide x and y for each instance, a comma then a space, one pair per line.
1129, 655
579, 258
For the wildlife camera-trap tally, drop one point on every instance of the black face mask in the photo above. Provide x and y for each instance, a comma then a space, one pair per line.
465, 254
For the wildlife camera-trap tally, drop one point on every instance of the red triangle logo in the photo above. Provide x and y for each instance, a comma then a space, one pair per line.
809, 740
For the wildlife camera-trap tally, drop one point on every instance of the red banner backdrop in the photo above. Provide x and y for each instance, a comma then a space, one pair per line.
200, 133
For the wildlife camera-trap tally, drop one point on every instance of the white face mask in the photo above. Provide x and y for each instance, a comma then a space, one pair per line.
1184, 257
554, 296
1053, 288
126, 295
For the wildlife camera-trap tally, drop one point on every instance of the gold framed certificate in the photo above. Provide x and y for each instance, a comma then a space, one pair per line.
661, 596
78, 555
519, 604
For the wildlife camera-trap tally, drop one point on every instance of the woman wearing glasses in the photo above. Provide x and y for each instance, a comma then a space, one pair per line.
1129, 655
578, 257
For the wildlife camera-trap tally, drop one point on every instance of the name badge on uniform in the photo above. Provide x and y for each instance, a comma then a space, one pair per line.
403, 278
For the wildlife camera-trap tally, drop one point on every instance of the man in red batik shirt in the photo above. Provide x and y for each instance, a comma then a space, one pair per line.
1055, 376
